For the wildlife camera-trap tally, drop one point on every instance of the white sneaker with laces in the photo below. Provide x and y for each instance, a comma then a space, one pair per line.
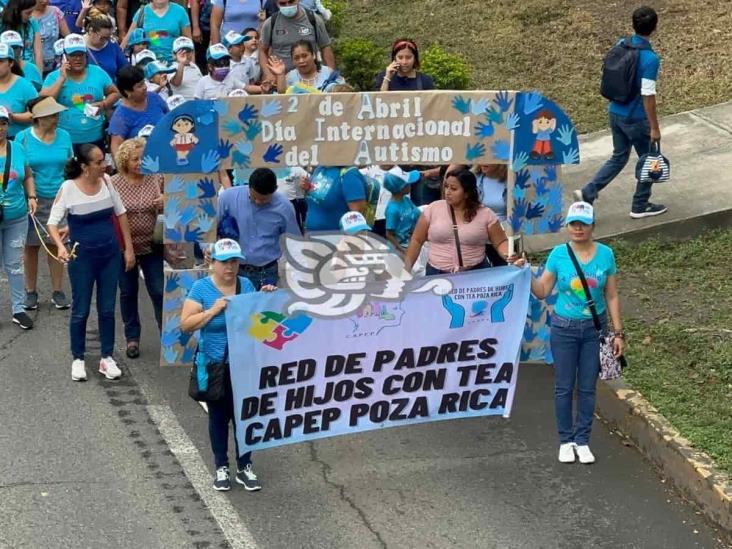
109, 369
78, 370
566, 452
584, 454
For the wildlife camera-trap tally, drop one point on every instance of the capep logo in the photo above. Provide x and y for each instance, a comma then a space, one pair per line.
332, 275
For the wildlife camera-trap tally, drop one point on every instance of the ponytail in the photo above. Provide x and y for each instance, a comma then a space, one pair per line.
82, 157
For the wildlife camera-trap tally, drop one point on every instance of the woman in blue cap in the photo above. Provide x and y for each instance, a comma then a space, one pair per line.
575, 341
29, 69
15, 92
204, 310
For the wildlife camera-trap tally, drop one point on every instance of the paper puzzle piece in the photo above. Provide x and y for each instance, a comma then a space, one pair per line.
262, 328
271, 315
281, 339
296, 325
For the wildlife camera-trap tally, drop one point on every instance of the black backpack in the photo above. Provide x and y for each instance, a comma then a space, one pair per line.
620, 72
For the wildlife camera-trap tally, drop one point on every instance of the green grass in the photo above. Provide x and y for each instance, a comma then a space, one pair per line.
557, 46
678, 310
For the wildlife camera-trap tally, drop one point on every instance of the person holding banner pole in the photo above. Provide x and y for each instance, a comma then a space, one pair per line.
575, 341
204, 310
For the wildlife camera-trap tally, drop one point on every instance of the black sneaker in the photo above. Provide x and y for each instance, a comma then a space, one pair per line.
222, 483
59, 300
31, 301
648, 211
247, 478
23, 320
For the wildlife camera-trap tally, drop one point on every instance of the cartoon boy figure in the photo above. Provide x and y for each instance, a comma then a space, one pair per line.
543, 126
184, 139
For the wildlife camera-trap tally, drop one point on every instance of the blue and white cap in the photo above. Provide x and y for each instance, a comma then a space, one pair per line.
58, 47
396, 179
217, 51
157, 67
137, 36
6, 52
4, 113
175, 101
582, 212
233, 38
145, 131
238, 93
226, 249
12, 39
145, 56
353, 222
74, 43
182, 43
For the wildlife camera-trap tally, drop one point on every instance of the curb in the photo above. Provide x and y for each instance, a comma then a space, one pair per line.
693, 472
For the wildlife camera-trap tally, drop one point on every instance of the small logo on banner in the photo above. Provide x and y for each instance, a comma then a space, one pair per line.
277, 330
333, 275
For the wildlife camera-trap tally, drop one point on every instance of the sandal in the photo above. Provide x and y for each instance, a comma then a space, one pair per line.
133, 349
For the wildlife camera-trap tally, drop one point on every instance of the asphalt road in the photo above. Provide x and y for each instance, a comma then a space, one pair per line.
127, 464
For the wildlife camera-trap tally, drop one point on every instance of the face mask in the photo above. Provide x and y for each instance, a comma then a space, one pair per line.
288, 11
219, 73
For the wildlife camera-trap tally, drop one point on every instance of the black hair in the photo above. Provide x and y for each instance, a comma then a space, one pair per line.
308, 46
15, 68
218, 63
469, 183
187, 117
263, 181
645, 21
12, 18
97, 23
82, 156
250, 29
405, 44
128, 77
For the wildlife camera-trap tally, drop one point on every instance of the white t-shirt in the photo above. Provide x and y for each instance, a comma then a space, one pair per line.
208, 88
153, 87
242, 70
70, 199
289, 183
191, 76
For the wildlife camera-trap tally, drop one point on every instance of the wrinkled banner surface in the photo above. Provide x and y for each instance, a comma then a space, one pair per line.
426, 358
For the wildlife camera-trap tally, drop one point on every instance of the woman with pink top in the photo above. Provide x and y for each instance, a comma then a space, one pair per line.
457, 228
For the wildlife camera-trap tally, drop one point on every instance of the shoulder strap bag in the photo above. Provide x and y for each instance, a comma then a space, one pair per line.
610, 366
457, 239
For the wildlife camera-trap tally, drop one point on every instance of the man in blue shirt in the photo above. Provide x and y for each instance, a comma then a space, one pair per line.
634, 124
262, 216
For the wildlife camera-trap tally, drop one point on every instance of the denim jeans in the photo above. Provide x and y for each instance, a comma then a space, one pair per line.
129, 285
85, 271
575, 345
627, 135
261, 276
12, 243
220, 414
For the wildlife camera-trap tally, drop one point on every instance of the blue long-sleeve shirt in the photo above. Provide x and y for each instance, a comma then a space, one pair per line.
260, 227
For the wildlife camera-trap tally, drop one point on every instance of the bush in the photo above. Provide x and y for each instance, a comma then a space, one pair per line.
448, 70
360, 60
337, 8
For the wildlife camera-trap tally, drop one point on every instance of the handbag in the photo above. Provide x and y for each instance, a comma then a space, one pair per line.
457, 239
610, 366
6, 175
207, 382
653, 167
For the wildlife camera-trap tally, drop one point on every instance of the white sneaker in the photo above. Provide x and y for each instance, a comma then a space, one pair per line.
584, 454
108, 368
78, 370
323, 11
566, 452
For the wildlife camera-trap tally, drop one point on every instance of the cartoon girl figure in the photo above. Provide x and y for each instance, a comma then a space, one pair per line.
184, 139
543, 126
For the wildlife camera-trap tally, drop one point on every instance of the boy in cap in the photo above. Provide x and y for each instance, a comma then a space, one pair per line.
142, 58
218, 82
401, 213
156, 75
137, 42
239, 64
187, 74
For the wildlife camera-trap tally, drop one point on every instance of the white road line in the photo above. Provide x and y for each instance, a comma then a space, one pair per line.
180, 444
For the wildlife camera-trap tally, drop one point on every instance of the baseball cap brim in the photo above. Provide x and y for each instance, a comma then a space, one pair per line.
226, 256
581, 218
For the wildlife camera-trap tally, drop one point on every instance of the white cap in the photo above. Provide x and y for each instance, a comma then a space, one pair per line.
58, 47
11, 38
238, 93
145, 131
74, 43
226, 249
354, 222
182, 43
174, 101
145, 55
582, 212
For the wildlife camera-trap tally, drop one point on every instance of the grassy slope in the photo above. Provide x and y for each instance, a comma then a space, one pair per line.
557, 46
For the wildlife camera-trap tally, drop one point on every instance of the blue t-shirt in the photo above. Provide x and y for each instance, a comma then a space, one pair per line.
15, 99
46, 160
213, 340
13, 199
75, 96
325, 214
126, 122
648, 66
162, 31
33, 75
238, 14
111, 58
571, 300
401, 218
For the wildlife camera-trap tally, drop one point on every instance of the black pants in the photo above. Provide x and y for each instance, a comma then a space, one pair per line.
301, 211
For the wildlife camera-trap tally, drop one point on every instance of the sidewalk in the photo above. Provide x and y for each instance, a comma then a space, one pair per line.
698, 144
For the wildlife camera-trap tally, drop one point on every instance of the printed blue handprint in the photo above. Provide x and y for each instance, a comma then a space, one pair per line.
541, 186
210, 161
188, 353
221, 107
168, 339
479, 106
207, 188
484, 130
543, 199
519, 193
176, 185
502, 101
172, 324
193, 234
271, 108
224, 148
533, 101
173, 235
499, 306
474, 151
171, 283
536, 173
208, 207
494, 115
172, 304
172, 213
205, 116
534, 210
170, 355
513, 121
249, 112
564, 134
460, 104
187, 215
245, 147
184, 338
232, 127
522, 179
516, 222
543, 225
205, 222
457, 312
273, 153
501, 149
191, 191
520, 161
519, 207
151, 164
529, 333
551, 173
571, 156
556, 223
240, 160
253, 130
